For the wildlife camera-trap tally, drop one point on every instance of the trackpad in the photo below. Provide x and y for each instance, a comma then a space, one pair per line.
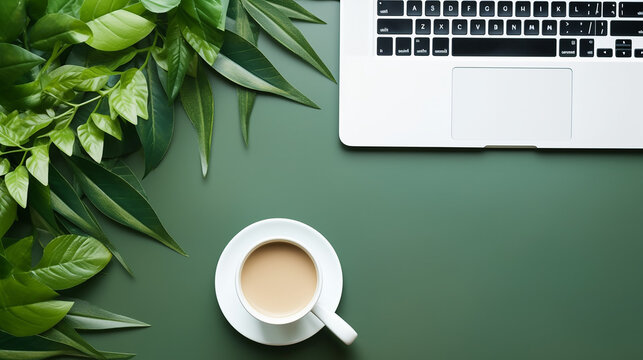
510, 105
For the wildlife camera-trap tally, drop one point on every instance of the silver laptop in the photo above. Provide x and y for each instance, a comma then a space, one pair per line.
544, 74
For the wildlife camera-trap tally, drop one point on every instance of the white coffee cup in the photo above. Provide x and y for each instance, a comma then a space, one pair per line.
336, 324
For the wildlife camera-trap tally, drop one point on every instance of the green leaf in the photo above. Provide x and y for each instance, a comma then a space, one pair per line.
121, 169
198, 103
294, 11
64, 333
38, 163
63, 139
8, 209
282, 29
179, 56
129, 99
110, 59
14, 19
242, 63
36, 8
68, 7
27, 124
156, 132
118, 200
5, 268
196, 37
69, 260
92, 9
160, 6
108, 125
19, 253
66, 202
85, 316
42, 214
246, 99
92, 140
17, 183
15, 62
211, 13
94, 78
5, 166
118, 30
25, 306
53, 28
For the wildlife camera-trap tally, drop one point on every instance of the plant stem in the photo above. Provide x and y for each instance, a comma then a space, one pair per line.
149, 51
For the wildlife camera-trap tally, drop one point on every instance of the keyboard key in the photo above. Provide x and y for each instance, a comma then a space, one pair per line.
414, 8
469, 8
450, 8
421, 47
487, 8
584, 9
609, 9
550, 27
477, 27
626, 28
558, 9
623, 48
504, 47
541, 9
403, 46
630, 9
496, 27
586, 48
394, 26
567, 48
390, 8
638, 53
423, 26
459, 27
532, 27
577, 27
604, 52
523, 9
441, 27
601, 27
432, 8
623, 53
384, 46
505, 8
440, 46
514, 27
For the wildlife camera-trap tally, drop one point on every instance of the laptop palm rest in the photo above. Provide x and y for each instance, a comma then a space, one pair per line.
511, 106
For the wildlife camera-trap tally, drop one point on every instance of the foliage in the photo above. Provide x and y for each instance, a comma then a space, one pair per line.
83, 84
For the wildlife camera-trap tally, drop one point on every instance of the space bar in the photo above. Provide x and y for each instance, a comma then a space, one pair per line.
503, 47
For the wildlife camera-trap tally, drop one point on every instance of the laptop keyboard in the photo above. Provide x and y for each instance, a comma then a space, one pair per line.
566, 29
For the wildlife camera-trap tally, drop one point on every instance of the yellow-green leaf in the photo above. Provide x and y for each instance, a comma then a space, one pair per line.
108, 125
64, 140
92, 140
17, 183
38, 163
118, 30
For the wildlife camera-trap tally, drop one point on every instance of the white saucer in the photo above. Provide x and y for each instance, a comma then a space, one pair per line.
233, 254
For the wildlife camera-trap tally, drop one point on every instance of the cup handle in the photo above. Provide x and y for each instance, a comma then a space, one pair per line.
337, 325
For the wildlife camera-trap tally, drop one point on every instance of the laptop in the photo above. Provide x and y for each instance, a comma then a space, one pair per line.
474, 74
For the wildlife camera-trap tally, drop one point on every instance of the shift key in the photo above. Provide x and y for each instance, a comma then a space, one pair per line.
630, 9
394, 26
626, 28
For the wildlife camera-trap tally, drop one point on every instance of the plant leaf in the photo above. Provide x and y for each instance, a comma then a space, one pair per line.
284, 31
156, 132
27, 124
36, 8
63, 139
129, 99
242, 63
14, 19
119, 201
294, 11
94, 78
5, 166
179, 56
17, 183
38, 163
160, 6
198, 103
8, 209
25, 306
211, 13
53, 28
66, 202
19, 253
69, 7
15, 62
69, 260
121, 169
85, 316
64, 333
108, 125
92, 9
42, 214
118, 30
196, 37
92, 140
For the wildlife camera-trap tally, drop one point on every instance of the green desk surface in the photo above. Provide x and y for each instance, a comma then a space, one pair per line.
494, 254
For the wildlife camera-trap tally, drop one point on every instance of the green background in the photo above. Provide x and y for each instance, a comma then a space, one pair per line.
447, 254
